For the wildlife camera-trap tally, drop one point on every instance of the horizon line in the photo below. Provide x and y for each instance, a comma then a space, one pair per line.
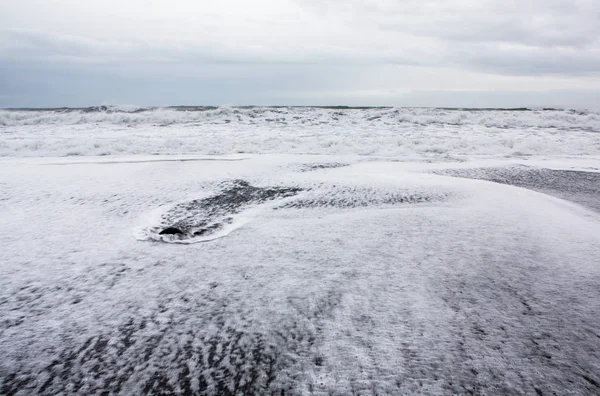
138, 108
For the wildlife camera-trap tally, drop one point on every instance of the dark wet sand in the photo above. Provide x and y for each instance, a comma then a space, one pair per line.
579, 187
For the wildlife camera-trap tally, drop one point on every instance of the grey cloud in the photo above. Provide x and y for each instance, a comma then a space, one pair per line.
511, 29
299, 52
59, 49
532, 62
534, 37
521, 60
38, 47
48, 46
533, 22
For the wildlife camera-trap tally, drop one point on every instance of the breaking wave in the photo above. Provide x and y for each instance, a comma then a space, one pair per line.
132, 115
384, 132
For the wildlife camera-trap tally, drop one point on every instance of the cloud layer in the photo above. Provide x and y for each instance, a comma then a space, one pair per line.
483, 46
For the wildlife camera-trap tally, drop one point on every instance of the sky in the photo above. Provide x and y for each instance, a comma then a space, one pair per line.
448, 53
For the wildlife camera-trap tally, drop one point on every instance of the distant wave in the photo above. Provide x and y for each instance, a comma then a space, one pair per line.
380, 131
298, 116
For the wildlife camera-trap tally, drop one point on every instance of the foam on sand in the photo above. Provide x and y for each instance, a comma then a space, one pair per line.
373, 277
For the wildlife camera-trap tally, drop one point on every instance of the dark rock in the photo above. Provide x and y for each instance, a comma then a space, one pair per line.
171, 231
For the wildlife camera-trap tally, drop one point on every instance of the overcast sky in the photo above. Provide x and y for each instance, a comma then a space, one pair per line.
475, 53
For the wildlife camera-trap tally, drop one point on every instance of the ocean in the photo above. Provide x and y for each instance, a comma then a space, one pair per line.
299, 250
386, 132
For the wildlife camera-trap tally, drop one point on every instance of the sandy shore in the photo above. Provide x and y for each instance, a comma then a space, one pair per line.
368, 278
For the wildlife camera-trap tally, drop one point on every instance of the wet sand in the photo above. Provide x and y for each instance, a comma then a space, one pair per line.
579, 187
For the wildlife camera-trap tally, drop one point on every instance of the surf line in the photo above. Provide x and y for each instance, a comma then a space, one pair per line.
147, 161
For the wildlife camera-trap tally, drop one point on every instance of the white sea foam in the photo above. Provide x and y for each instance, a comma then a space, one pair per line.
483, 280
556, 118
388, 132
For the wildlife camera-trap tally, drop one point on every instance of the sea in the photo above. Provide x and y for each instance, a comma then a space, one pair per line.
299, 251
